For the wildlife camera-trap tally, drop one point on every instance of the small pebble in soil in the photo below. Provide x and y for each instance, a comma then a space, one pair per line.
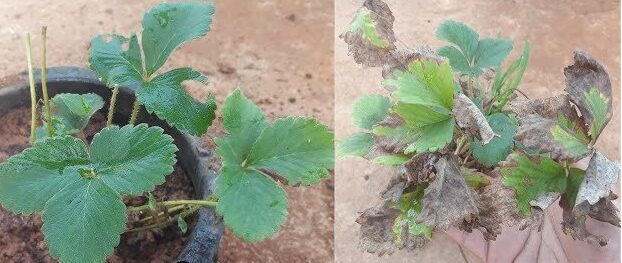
292, 100
291, 17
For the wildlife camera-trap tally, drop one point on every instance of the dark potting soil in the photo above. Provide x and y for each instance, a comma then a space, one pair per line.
21, 239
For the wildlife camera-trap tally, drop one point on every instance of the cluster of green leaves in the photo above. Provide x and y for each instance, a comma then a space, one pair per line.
165, 27
80, 187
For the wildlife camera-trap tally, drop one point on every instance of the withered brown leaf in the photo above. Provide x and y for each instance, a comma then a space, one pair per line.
589, 87
447, 201
600, 175
419, 167
551, 125
469, 117
363, 50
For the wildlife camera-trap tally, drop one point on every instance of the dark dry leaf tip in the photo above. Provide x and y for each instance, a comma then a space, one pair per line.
469, 117
448, 200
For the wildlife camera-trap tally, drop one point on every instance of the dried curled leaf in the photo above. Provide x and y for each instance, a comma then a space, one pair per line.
589, 87
447, 200
497, 207
419, 167
377, 235
469, 117
600, 176
370, 36
575, 213
553, 126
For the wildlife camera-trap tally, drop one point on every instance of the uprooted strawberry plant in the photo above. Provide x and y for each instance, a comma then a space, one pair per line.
79, 186
469, 152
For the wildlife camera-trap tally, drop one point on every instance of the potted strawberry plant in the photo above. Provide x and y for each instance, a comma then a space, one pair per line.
79, 185
469, 152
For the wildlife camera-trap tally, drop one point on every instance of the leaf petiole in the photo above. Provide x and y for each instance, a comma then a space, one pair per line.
135, 110
113, 102
33, 92
200, 203
44, 85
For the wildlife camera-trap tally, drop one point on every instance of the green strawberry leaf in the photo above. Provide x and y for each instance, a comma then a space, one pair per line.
573, 183
80, 193
426, 83
166, 97
181, 223
133, 159
84, 221
533, 178
472, 54
298, 150
370, 110
30, 179
460, 35
393, 160
75, 110
491, 52
168, 26
165, 27
499, 147
358, 144
113, 65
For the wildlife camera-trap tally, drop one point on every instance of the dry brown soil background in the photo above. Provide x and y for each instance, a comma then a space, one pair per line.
280, 53
554, 29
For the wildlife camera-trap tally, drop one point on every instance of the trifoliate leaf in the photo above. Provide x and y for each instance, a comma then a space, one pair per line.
84, 221
370, 110
447, 200
75, 110
168, 26
358, 144
589, 87
460, 35
432, 137
166, 97
472, 54
30, 179
470, 117
426, 83
370, 36
252, 204
298, 150
113, 65
532, 178
600, 176
132, 159
552, 126
499, 147
80, 193
181, 223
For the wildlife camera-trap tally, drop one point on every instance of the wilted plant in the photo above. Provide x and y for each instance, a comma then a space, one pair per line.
465, 157
79, 187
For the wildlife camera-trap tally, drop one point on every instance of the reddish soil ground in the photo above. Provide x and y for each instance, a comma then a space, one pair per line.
280, 53
553, 28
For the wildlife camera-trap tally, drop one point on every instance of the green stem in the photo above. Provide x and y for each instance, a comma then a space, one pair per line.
135, 110
167, 222
33, 92
175, 203
113, 102
44, 85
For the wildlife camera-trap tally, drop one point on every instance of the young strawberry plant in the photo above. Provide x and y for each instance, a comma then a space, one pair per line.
469, 152
79, 186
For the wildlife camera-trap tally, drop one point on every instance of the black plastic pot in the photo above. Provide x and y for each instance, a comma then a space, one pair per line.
205, 237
